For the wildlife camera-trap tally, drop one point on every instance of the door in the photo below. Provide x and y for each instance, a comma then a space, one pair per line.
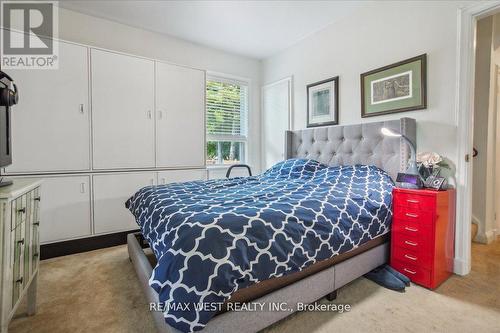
180, 116
276, 119
497, 152
111, 191
51, 123
122, 111
175, 176
64, 208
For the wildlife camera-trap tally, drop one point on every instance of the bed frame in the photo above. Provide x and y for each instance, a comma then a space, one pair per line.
331, 145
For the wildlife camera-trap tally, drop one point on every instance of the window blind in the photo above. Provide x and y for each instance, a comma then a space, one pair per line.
227, 109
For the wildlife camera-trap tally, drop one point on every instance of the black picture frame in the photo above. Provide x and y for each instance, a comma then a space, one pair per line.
334, 79
423, 86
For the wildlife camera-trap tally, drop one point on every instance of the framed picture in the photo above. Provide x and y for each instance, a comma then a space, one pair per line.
323, 103
395, 88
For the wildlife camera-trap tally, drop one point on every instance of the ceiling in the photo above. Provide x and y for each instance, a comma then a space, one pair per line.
256, 29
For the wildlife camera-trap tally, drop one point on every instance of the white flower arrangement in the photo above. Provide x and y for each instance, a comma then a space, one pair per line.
429, 159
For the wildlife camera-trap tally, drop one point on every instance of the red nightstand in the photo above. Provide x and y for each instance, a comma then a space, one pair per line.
423, 233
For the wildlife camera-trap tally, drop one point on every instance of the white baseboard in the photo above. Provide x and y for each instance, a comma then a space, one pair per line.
460, 267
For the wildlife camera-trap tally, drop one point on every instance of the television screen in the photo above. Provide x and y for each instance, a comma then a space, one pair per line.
5, 144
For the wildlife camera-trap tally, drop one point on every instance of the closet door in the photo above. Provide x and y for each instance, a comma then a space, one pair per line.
51, 123
175, 176
122, 111
111, 191
180, 124
65, 208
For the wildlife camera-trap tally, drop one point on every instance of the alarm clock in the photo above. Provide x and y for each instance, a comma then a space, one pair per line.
408, 180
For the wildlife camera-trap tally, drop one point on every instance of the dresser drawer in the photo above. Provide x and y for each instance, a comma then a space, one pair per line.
19, 211
416, 274
415, 202
414, 215
18, 243
411, 242
412, 257
412, 228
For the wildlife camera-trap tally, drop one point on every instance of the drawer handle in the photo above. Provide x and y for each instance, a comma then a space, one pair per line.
410, 257
20, 242
35, 255
411, 243
20, 280
411, 215
412, 201
411, 229
22, 210
37, 199
36, 223
409, 271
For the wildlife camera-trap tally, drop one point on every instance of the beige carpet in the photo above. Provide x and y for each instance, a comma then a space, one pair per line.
99, 292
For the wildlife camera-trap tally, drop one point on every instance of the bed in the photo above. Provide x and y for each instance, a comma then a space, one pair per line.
294, 234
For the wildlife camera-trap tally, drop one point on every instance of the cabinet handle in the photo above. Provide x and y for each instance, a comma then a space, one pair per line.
38, 199
149, 114
35, 255
160, 114
80, 107
411, 243
413, 201
20, 242
411, 229
36, 223
82, 187
20, 280
22, 210
411, 215
410, 257
163, 181
409, 271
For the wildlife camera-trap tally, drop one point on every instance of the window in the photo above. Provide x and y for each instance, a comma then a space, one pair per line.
227, 112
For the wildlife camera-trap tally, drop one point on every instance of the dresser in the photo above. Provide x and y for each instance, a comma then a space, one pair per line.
423, 233
20, 251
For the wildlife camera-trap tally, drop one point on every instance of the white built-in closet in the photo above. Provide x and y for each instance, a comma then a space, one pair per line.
99, 128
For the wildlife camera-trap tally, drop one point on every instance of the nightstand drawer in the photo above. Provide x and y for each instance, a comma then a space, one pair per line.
416, 274
413, 215
412, 257
414, 201
412, 228
411, 242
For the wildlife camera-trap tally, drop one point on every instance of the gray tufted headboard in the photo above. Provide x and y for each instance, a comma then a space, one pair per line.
354, 144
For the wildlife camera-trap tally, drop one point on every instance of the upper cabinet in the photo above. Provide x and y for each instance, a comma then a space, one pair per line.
180, 116
122, 111
51, 123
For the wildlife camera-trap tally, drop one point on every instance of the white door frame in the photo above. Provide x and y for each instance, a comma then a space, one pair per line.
467, 18
289, 80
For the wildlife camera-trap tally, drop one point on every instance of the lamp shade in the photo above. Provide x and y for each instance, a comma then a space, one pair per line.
388, 132
412, 163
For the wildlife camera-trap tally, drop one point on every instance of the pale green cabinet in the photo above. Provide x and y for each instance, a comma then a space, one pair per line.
20, 247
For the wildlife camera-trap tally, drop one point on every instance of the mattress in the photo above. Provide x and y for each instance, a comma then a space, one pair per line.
214, 238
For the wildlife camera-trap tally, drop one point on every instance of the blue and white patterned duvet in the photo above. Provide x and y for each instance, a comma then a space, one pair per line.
214, 237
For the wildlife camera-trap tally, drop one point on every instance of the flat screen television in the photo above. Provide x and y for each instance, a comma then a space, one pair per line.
5, 144
8, 98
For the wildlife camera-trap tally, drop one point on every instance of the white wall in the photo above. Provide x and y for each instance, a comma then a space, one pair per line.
89, 30
374, 36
